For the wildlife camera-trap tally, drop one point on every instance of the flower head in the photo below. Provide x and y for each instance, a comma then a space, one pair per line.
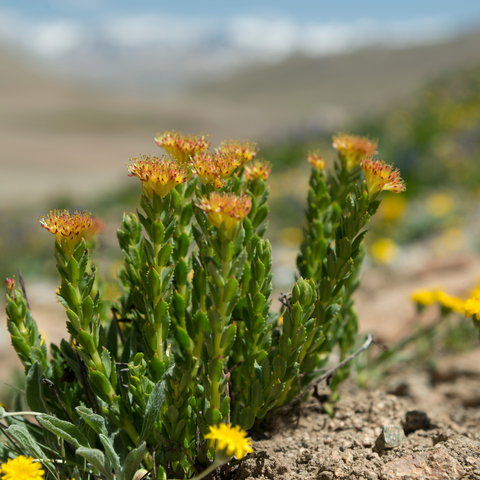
67, 228
230, 440
10, 284
471, 308
22, 468
316, 160
381, 176
213, 167
448, 302
352, 148
227, 209
240, 152
423, 298
158, 175
182, 147
385, 250
258, 169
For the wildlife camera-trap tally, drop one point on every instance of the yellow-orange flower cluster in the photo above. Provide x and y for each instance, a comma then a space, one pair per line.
352, 148
96, 228
182, 147
227, 209
67, 228
381, 176
258, 169
22, 468
229, 440
315, 160
213, 167
240, 152
158, 175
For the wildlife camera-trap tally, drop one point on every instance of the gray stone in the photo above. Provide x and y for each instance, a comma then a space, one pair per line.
391, 437
433, 465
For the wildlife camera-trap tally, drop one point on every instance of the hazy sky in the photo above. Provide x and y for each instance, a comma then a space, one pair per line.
334, 10
114, 39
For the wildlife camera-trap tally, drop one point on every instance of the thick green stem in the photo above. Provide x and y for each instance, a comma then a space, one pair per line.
159, 331
131, 431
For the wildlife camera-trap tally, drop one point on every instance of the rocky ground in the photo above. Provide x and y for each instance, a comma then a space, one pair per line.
431, 432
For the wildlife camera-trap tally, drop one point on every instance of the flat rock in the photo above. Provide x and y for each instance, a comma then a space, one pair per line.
391, 436
432, 465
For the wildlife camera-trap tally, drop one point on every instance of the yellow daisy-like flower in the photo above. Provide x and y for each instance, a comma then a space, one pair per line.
450, 303
424, 297
227, 209
258, 169
213, 167
182, 147
22, 468
67, 228
316, 160
381, 176
158, 175
385, 251
240, 152
352, 148
229, 440
471, 307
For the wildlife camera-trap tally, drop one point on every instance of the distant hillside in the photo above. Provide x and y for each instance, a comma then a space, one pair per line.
302, 91
74, 141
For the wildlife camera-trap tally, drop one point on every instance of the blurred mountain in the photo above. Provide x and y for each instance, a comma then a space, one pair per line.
61, 137
323, 93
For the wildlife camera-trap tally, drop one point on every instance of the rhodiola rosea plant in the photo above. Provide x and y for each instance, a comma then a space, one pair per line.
192, 350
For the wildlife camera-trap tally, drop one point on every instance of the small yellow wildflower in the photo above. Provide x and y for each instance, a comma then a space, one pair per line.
448, 302
392, 207
213, 168
67, 228
182, 147
229, 440
471, 308
241, 152
158, 175
22, 468
227, 209
316, 160
385, 251
424, 297
440, 204
352, 148
258, 169
381, 176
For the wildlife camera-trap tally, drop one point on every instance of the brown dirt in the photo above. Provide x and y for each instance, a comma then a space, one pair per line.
312, 445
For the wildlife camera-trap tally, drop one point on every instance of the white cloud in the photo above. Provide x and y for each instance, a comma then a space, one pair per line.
178, 49
147, 30
52, 39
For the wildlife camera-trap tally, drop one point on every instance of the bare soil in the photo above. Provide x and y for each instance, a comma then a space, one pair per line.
439, 440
